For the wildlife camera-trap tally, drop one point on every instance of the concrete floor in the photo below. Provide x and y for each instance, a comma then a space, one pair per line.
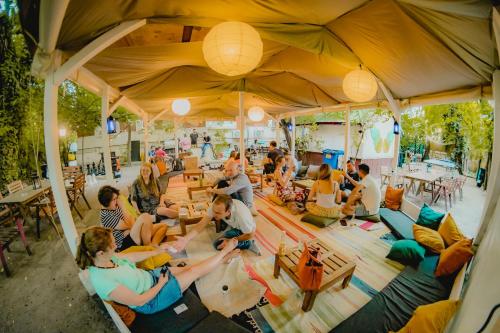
45, 295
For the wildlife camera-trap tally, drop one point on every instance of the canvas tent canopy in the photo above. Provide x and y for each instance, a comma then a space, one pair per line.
420, 50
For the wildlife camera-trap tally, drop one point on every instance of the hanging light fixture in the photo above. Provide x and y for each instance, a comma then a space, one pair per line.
396, 128
290, 126
232, 48
360, 85
181, 106
111, 125
256, 113
62, 132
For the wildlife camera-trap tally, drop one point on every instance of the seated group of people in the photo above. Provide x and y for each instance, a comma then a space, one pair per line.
114, 274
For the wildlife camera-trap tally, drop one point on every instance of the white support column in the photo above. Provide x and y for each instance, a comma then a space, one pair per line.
51, 134
176, 127
347, 136
242, 130
145, 121
105, 137
292, 148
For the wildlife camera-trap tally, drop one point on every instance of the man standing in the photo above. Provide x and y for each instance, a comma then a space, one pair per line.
194, 138
207, 143
364, 199
235, 184
270, 161
235, 214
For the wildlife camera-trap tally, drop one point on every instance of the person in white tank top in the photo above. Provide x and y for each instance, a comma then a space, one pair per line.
325, 195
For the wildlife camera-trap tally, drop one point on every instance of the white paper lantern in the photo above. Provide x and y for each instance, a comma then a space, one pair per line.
232, 48
256, 113
181, 106
360, 85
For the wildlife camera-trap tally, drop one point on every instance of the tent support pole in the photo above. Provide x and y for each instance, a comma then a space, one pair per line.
176, 140
145, 120
242, 130
277, 138
105, 136
292, 148
347, 135
51, 133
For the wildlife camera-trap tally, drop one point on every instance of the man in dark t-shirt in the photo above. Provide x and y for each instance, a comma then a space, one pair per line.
194, 138
207, 143
273, 154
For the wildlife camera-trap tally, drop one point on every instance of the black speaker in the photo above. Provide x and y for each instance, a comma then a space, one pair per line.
136, 151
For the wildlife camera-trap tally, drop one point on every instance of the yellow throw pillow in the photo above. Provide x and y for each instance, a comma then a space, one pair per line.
431, 317
128, 207
152, 262
274, 198
449, 231
429, 238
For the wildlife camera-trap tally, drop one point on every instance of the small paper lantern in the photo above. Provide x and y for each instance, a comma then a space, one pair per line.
181, 106
396, 127
62, 132
256, 113
360, 85
232, 48
111, 125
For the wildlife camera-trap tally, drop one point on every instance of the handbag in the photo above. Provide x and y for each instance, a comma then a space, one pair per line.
310, 269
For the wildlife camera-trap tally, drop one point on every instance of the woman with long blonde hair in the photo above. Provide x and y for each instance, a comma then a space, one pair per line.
147, 196
325, 196
115, 276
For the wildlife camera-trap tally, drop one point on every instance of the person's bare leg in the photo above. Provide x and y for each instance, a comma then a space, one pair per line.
159, 233
142, 229
188, 276
169, 212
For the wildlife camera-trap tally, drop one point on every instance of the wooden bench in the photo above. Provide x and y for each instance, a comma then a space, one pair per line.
336, 268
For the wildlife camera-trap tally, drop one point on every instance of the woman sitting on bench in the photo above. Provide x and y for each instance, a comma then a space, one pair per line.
147, 198
325, 195
115, 277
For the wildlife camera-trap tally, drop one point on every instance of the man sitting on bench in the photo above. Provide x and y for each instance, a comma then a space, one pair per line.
235, 184
364, 199
230, 212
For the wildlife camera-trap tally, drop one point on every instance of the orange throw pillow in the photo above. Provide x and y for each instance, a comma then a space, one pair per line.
393, 197
449, 231
127, 315
454, 257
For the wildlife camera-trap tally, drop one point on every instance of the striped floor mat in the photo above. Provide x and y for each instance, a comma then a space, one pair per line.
373, 272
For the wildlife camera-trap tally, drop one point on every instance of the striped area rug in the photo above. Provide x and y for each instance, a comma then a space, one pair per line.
373, 272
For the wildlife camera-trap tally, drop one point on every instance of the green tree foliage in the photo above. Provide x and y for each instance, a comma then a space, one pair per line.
14, 97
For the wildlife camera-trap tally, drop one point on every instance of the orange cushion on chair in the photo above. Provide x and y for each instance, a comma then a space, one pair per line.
454, 257
393, 197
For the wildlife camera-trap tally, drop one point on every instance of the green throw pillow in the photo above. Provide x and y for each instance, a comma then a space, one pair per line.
318, 221
407, 252
429, 218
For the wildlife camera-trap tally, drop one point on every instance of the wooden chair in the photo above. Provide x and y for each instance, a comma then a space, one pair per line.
9, 233
71, 171
76, 192
445, 189
15, 186
45, 208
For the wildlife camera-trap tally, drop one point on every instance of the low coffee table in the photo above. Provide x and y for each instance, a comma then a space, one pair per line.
336, 268
196, 185
192, 172
305, 184
195, 212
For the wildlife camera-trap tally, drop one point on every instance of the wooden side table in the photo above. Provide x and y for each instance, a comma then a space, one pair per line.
260, 175
192, 172
336, 268
196, 211
197, 186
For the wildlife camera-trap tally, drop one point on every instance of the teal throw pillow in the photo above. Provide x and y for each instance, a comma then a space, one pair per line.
429, 218
407, 252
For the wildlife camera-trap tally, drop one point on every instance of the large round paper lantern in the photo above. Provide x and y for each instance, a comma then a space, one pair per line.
181, 106
256, 113
232, 48
360, 85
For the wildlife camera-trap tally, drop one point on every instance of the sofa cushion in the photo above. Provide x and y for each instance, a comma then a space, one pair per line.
429, 238
215, 322
429, 218
400, 224
318, 221
168, 321
449, 231
407, 252
431, 317
393, 197
394, 305
454, 257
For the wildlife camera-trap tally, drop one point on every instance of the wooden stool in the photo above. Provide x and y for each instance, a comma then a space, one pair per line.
336, 268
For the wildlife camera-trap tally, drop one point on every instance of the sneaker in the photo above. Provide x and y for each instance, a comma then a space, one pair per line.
254, 211
254, 248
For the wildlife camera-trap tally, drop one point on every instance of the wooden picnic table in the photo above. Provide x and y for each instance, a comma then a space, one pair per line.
422, 177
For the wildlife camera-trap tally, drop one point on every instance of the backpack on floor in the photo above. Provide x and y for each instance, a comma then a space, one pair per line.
177, 165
